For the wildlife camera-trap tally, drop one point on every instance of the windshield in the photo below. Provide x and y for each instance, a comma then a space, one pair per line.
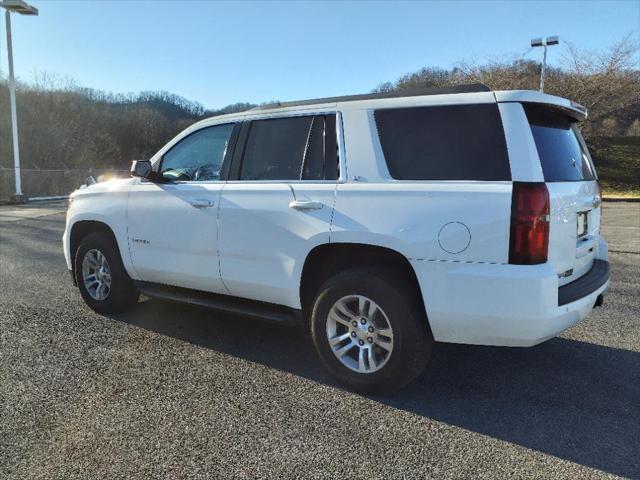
563, 153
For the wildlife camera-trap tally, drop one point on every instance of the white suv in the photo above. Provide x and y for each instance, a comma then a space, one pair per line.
387, 222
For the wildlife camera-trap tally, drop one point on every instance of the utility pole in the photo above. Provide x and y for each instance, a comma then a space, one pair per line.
23, 8
544, 42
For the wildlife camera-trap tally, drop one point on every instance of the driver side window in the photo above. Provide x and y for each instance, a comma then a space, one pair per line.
197, 157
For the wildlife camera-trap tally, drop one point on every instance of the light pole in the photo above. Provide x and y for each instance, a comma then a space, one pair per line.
23, 8
544, 42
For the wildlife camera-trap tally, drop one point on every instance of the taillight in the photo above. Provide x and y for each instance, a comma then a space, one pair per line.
530, 215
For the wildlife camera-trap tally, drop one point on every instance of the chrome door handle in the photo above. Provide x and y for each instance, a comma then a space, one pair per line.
305, 205
200, 203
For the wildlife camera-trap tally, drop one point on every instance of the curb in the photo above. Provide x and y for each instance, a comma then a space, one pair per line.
47, 199
621, 199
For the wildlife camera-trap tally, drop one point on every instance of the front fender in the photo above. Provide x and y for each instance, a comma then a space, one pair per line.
106, 207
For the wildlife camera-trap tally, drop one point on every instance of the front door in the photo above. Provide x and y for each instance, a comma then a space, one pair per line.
173, 225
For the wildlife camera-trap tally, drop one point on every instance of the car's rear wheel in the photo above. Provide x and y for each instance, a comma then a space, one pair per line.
103, 282
370, 329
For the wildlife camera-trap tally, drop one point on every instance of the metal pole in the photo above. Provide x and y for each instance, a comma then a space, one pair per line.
544, 65
14, 113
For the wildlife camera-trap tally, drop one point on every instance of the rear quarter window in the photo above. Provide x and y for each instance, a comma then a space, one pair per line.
455, 142
564, 156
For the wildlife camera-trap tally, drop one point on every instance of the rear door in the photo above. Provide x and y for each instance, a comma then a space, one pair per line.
573, 190
277, 205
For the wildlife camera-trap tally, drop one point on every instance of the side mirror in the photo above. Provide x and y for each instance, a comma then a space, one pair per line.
141, 168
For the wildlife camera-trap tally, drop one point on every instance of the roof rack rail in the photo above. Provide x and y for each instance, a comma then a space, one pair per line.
413, 92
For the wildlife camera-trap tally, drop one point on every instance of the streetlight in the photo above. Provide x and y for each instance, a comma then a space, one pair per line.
544, 42
23, 8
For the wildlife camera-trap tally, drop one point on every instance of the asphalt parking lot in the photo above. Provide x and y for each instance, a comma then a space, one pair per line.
168, 391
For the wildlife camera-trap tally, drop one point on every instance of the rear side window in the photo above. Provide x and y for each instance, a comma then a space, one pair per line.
457, 142
293, 148
563, 154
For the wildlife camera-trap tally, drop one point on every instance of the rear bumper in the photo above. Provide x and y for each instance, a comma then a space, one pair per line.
508, 305
597, 276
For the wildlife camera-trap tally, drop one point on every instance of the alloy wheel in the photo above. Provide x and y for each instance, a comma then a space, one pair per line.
96, 274
359, 334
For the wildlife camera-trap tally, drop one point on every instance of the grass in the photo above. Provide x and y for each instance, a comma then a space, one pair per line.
617, 161
615, 191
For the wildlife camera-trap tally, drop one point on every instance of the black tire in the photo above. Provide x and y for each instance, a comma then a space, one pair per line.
123, 292
400, 301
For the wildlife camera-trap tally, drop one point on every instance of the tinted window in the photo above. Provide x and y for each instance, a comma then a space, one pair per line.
291, 148
458, 142
275, 148
320, 161
313, 156
563, 154
331, 165
199, 156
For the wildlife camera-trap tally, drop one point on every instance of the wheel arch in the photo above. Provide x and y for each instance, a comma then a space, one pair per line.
327, 259
81, 229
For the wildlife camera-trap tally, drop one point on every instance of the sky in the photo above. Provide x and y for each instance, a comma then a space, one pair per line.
219, 53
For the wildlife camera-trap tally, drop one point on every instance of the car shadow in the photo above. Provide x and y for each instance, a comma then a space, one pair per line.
573, 400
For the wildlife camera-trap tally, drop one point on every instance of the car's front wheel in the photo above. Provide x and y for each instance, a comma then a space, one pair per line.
103, 282
370, 330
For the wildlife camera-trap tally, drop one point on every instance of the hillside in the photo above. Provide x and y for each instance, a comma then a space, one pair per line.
617, 160
68, 132
68, 128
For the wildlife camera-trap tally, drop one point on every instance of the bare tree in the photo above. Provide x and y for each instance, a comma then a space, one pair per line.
606, 82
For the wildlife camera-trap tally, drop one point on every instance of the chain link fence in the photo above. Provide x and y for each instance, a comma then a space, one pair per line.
51, 182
